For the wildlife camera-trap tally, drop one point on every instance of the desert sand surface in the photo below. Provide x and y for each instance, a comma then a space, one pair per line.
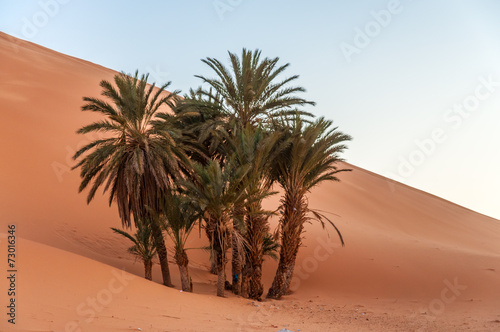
412, 261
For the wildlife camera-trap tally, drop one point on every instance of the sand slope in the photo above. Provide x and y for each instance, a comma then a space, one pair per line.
412, 261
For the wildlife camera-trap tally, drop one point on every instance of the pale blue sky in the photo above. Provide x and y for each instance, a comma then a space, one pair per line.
390, 82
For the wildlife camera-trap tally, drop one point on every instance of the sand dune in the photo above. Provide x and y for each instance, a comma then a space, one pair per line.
412, 261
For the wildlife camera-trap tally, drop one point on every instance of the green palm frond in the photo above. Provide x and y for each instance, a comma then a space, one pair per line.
215, 190
249, 87
143, 149
322, 218
179, 216
312, 155
144, 245
270, 247
248, 92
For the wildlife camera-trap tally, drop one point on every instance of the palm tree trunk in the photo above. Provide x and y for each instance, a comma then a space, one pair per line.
220, 237
292, 225
213, 263
283, 277
186, 281
213, 255
289, 276
148, 269
284, 274
161, 249
182, 261
255, 288
275, 292
236, 266
237, 254
256, 229
221, 274
245, 277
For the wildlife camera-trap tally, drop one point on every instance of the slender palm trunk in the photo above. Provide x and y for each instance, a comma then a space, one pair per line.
245, 277
256, 229
213, 255
236, 266
292, 225
221, 273
186, 281
161, 249
219, 237
237, 253
148, 269
213, 263
182, 261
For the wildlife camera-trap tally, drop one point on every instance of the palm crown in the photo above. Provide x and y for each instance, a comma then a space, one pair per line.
143, 241
140, 153
249, 90
312, 156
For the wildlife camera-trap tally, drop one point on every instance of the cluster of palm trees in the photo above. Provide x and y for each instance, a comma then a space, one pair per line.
209, 159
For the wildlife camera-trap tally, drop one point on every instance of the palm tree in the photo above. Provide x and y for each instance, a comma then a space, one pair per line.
311, 159
199, 117
140, 155
216, 191
178, 219
144, 246
248, 93
257, 148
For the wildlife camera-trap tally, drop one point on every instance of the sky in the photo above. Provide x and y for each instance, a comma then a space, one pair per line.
416, 83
